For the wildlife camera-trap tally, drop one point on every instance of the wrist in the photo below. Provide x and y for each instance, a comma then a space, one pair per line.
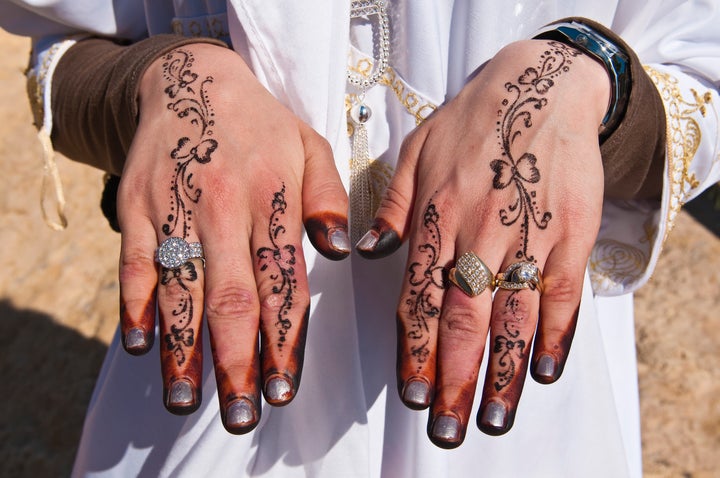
607, 53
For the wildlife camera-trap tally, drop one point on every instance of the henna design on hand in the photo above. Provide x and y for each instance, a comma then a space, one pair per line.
282, 259
521, 170
511, 348
186, 103
195, 106
424, 276
181, 334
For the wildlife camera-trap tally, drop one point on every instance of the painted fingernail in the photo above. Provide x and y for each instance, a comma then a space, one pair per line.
278, 391
416, 394
136, 341
240, 416
368, 241
181, 398
446, 428
380, 241
494, 417
546, 369
339, 240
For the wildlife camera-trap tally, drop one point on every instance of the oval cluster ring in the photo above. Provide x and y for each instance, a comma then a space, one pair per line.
471, 275
176, 251
520, 275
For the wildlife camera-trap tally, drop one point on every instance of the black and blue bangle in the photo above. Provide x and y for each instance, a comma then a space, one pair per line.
612, 56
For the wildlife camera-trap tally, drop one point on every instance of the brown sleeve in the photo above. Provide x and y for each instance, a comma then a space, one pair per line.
94, 97
633, 155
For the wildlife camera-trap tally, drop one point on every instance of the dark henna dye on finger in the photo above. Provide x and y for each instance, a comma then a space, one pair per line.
136, 339
282, 383
446, 432
548, 365
181, 354
495, 419
447, 424
182, 397
416, 393
380, 241
328, 233
241, 416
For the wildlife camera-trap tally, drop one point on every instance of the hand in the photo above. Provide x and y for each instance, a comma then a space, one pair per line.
217, 160
510, 169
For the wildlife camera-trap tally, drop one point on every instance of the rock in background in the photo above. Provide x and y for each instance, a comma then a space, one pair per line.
58, 312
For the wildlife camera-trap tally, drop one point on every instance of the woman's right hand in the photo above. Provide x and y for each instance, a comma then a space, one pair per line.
216, 159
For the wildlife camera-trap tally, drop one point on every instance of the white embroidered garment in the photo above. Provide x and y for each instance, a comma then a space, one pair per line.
347, 419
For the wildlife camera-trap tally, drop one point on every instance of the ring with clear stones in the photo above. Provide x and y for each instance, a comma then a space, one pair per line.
175, 251
520, 275
471, 275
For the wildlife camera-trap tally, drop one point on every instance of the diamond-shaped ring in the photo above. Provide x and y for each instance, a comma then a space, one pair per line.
471, 275
520, 275
175, 251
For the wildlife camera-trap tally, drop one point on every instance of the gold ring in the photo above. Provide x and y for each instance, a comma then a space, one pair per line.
471, 275
520, 275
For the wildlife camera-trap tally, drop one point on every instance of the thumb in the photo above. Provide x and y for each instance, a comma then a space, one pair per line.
325, 202
393, 216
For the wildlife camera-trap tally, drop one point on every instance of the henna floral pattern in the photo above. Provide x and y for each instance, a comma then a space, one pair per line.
280, 259
509, 346
425, 275
187, 103
519, 168
181, 334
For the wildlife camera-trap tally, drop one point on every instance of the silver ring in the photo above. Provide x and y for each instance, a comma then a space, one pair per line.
520, 275
175, 251
471, 275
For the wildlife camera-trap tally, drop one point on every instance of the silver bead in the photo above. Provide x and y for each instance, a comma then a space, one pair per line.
360, 113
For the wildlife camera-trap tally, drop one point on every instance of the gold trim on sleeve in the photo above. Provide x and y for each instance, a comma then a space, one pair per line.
683, 138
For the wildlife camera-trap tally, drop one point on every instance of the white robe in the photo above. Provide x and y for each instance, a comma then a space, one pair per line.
347, 419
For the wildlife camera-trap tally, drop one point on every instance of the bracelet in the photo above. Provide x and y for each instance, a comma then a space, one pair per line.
613, 57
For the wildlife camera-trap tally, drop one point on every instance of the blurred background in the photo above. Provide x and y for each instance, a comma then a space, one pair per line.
58, 312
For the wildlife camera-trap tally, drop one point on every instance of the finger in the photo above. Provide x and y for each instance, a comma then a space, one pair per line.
138, 280
232, 310
559, 305
461, 342
396, 208
420, 304
283, 292
512, 325
180, 304
325, 202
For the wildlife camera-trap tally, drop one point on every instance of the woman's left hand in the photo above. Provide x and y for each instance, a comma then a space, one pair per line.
509, 170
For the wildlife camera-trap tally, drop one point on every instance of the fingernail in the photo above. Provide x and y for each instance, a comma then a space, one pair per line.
240, 415
368, 241
546, 369
494, 416
339, 240
181, 399
446, 428
278, 391
135, 340
416, 394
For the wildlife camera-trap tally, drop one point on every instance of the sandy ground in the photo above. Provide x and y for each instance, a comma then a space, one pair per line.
58, 308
